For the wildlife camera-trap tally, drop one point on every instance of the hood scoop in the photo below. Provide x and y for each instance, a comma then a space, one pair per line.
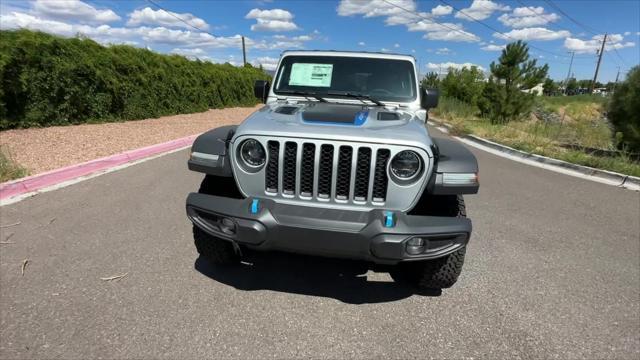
387, 116
286, 110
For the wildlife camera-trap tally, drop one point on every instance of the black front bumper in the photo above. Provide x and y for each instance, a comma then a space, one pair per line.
326, 232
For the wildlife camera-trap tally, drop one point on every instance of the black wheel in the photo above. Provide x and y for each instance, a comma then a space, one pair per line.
215, 250
439, 273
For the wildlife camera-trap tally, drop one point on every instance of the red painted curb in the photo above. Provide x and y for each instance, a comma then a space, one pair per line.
57, 176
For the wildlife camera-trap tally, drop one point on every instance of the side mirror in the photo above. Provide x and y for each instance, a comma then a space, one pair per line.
429, 98
261, 90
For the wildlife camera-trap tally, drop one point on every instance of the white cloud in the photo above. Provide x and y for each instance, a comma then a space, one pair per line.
447, 65
527, 17
373, 8
280, 42
362, 43
406, 13
480, 10
271, 20
627, 33
535, 33
492, 47
148, 16
443, 31
73, 10
121, 35
441, 10
385, 50
614, 41
444, 51
396, 45
196, 53
268, 63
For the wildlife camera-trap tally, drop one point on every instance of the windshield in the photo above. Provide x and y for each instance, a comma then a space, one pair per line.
380, 79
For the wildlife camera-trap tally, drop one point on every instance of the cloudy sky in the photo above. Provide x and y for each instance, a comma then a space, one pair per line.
439, 33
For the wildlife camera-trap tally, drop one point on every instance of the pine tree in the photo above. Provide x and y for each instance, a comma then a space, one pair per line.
514, 72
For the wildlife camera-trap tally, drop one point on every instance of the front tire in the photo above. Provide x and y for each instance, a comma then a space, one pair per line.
215, 250
439, 273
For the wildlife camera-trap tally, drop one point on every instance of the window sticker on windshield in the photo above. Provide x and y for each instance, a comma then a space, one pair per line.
314, 75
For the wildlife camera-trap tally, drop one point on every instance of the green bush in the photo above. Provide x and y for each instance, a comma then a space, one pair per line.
624, 111
464, 84
48, 80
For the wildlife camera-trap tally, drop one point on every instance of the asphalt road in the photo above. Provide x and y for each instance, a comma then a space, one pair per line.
552, 271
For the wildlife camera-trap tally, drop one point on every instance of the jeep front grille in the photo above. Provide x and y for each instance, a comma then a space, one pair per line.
329, 173
354, 179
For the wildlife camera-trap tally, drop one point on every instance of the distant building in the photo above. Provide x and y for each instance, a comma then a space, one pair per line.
536, 90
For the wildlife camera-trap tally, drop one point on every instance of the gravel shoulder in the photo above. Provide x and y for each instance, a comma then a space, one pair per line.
44, 149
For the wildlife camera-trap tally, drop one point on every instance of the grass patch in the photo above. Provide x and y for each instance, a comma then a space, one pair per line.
583, 124
9, 169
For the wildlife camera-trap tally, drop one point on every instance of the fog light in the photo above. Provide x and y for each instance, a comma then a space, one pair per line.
227, 226
416, 246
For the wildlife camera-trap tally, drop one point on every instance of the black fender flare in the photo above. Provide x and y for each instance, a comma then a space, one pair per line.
454, 158
209, 152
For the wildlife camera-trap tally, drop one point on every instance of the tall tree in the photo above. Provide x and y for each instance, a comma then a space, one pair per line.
514, 72
431, 80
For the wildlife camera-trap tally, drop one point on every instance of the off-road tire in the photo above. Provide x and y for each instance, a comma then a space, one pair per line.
439, 273
215, 250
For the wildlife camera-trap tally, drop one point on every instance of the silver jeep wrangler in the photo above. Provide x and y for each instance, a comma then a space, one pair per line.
338, 163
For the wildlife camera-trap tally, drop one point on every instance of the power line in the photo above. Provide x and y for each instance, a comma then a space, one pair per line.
171, 13
587, 28
244, 55
498, 31
471, 36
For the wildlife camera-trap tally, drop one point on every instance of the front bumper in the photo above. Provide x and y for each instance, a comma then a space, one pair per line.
310, 230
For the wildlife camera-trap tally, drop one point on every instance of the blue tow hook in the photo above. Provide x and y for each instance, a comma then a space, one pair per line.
255, 206
388, 219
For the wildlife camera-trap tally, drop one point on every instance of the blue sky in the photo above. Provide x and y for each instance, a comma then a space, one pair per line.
439, 33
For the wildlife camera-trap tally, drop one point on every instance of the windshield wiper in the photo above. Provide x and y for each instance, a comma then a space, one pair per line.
303, 93
360, 97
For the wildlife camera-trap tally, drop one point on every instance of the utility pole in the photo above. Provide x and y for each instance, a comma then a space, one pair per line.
615, 84
566, 82
595, 76
244, 53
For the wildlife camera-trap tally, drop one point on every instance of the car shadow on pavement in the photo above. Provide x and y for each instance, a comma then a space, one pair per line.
342, 280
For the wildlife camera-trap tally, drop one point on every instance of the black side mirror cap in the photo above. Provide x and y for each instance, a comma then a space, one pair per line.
429, 98
261, 90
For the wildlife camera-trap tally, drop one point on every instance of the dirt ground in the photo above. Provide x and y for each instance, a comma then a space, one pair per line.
43, 149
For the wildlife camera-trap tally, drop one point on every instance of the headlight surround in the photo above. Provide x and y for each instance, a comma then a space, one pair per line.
252, 153
406, 166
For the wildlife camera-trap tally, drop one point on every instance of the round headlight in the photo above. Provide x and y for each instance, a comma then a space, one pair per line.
252, 153
406, 165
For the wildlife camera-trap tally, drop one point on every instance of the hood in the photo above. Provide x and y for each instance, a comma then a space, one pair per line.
345, 122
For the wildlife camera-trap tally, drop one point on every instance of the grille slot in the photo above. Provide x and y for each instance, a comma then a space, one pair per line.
289, 168
271, 177
306, 169
325, 172
343, 173
380, 179
363, 170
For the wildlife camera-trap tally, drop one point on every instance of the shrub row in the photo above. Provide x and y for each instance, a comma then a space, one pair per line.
48, 80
